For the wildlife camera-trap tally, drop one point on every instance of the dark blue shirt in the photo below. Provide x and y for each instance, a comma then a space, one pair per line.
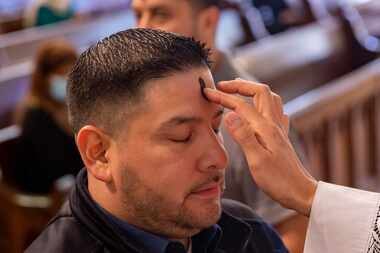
205, 241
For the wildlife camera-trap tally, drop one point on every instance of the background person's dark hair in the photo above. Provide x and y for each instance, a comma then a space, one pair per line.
113, 72
201, 4
51, 56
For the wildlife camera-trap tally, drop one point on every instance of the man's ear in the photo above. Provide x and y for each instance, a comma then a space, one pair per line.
94, 146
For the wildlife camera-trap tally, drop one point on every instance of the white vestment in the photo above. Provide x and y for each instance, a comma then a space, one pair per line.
343, 220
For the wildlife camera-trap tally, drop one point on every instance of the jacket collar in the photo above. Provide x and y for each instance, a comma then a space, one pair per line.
88, 213
236, 233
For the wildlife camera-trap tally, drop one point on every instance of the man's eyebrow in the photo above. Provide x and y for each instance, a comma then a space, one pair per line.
179, 120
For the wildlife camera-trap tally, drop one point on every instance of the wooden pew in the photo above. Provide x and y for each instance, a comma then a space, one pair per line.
10, 23
21, 46
12, 11
17, 51
304, 58
14, 83
339, 126
11, 15
299, 60
360, 19
22, 215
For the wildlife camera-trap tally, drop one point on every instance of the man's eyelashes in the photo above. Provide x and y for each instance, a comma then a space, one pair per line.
188, 138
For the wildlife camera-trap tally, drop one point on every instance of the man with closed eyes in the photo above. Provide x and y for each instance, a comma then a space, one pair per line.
154, 158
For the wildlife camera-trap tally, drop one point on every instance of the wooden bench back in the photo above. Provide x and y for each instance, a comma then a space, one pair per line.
21, 46
8, 141
339, 126
22, 215
14, 83
17, 51
298, 60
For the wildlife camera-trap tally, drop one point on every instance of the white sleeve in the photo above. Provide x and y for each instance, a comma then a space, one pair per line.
343, 219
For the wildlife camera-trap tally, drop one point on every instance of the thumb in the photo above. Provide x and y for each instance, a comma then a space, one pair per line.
241, 131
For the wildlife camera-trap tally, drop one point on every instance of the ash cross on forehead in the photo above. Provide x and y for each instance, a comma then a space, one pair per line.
202, 85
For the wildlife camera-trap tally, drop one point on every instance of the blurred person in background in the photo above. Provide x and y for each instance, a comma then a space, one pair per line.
44, 12
279, 15
47, 149
199, 19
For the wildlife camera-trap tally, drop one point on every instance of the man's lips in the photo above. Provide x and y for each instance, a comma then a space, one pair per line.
208, 191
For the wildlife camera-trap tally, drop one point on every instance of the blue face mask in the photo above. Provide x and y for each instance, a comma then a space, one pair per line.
58, 88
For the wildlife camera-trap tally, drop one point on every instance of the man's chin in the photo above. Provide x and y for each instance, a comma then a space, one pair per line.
203, 215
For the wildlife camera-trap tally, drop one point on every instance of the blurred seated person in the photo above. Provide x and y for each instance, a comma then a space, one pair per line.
47, 148
44, 12
278, 15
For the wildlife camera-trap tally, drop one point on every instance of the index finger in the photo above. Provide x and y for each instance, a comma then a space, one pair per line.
243, 87
259, 92
245, 110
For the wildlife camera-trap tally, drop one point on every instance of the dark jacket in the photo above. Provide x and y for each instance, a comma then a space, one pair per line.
81, 226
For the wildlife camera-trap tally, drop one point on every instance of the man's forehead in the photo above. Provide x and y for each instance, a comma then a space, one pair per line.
180, 91
187, 82
188, 117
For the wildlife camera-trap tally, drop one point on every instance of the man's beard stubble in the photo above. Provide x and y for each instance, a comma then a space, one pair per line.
152, 212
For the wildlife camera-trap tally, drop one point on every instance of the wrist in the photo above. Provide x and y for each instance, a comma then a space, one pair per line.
307, 198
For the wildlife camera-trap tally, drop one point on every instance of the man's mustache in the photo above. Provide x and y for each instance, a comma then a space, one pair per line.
215, 178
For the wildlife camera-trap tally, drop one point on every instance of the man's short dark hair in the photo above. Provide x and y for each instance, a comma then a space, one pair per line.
113, 72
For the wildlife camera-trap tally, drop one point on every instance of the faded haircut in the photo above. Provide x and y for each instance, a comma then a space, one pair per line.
114, 72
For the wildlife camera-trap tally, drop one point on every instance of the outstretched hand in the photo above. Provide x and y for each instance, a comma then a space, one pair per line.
261, 129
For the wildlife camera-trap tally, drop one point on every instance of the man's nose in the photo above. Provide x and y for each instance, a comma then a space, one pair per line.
144, 22
215, 155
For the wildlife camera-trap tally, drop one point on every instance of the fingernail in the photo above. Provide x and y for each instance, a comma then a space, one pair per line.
233, 120
223, 82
